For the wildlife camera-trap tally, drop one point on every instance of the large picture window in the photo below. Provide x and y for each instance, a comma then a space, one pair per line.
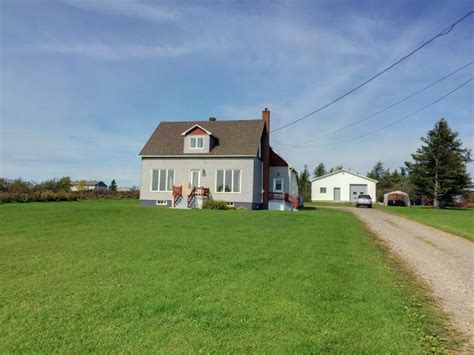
196, 143
228, 181
162, 180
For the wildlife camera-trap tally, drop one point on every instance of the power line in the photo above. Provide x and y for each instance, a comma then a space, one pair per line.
399, 120
391, 105
440, 34
411, 114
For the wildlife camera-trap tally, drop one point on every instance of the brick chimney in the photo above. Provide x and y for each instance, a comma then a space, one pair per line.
266, 155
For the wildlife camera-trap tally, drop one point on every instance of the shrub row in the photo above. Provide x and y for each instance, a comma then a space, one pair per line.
215, 205
107, 194
45, 196
38, 196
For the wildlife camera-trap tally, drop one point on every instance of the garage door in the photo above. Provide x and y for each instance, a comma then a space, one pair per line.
357, 190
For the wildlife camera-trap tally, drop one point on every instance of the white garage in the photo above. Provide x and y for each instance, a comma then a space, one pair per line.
342, 186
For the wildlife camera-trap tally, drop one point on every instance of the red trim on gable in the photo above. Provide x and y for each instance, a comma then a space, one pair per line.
276, 160
197, 131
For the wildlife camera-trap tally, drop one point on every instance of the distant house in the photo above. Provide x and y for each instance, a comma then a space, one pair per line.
124, 188
185, 163
342, 186
88, 185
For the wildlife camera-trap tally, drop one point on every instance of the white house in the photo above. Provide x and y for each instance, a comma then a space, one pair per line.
342, 186
88, 185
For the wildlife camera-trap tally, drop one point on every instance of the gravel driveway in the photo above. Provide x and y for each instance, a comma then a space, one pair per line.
444, 260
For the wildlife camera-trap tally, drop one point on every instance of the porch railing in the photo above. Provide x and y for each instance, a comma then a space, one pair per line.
284, 196
177, 193
197, 191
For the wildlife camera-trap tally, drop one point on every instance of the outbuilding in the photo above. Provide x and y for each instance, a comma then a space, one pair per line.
342, 186
396, 198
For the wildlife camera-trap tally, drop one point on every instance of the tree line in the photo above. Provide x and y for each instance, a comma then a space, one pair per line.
436, 175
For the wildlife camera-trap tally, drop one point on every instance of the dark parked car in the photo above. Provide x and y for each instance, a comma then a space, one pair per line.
364, 200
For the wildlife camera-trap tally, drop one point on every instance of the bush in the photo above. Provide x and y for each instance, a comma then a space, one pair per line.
37, 196
47, 196
19, 190
215, 205
107, 195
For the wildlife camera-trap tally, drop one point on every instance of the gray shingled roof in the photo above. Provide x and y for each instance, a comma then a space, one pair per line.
240, 137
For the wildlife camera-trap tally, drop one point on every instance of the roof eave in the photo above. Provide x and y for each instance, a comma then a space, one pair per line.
343, 170
196, 126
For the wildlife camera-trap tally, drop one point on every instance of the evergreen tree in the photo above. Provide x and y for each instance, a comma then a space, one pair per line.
439, 169
113, 185
320, 170
338, 167
378, 172
304, 185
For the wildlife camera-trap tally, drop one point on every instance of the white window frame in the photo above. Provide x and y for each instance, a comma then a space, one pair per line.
282, 185
191, 176
159, 178
321, 190
232, 181
161, 203
197, 138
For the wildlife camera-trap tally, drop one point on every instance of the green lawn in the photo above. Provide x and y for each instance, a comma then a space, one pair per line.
107, 276
458, 221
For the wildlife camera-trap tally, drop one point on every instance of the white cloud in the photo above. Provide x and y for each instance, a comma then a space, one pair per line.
129, 8
127, 51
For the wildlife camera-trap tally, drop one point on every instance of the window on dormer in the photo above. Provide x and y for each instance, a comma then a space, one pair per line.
196, 143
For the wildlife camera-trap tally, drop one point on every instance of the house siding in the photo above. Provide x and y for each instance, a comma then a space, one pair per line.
250, 178
206, 147
280, 172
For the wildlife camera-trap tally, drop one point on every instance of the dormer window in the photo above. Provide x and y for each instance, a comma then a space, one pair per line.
196, 142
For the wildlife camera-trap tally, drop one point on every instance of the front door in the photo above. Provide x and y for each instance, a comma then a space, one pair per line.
337, 194
195, 178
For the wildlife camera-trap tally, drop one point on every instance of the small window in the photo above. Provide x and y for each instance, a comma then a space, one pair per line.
161, 203
236, 181
196, 143
322, 190
230, 204
278, 185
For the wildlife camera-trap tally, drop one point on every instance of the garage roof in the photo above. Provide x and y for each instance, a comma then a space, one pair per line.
345, 171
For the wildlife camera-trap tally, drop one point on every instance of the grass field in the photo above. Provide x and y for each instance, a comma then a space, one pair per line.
110, 276
458, 221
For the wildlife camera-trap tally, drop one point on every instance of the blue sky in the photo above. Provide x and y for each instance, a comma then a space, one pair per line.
84, 83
